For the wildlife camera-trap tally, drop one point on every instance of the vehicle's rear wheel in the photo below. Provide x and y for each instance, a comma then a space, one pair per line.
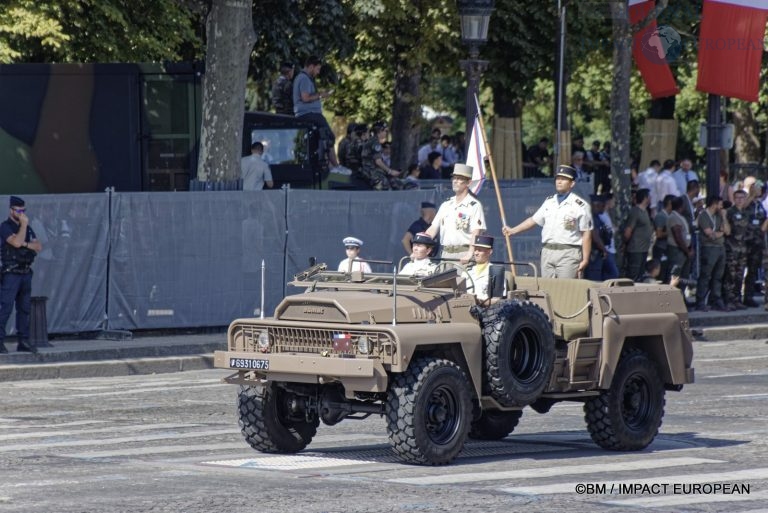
429, 410
519, 352
494, 424
266, 422
627, 416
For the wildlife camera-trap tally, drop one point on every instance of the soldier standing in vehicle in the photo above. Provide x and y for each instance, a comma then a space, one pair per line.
282, 90
566, 234
486, 280
459, 219
353, 262
379, 176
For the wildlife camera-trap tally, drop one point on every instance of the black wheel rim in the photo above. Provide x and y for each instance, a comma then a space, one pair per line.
636, 402
525, 355
442, 415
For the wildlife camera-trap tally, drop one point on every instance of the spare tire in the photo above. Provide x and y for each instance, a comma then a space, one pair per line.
519, 352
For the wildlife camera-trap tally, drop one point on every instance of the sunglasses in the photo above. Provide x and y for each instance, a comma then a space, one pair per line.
19, 210
351, 247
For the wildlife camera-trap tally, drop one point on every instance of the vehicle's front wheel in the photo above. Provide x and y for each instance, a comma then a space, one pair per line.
627, 416
266, 422
429, 410
495, 425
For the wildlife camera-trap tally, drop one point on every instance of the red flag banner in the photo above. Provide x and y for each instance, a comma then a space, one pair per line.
731, 47
650, 51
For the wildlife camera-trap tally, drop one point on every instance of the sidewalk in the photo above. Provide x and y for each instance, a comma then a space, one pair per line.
81, 358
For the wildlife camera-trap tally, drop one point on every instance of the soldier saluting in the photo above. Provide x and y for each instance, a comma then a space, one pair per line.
566, 223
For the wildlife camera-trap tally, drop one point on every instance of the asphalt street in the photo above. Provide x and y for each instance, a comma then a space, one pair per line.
170, 443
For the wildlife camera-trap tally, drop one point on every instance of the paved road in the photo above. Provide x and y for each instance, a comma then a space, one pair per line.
170, 443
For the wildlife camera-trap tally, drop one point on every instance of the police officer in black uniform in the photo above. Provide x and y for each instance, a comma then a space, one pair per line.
18, 251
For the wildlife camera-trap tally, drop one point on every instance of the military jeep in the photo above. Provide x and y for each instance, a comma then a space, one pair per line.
440, 369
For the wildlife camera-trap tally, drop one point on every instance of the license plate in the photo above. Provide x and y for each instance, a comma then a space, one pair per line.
249, 363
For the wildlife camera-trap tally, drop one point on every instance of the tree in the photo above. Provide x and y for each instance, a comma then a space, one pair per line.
230, 37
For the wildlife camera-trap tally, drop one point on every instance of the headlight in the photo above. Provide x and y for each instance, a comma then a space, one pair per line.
362, 344
263, 342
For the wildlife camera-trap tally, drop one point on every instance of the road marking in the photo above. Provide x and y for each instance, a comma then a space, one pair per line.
122, 392
52, 433
532, 473
149, 451
43, 445
736, 475
744, 395
52, 426
682, 500
732, 359
294, 462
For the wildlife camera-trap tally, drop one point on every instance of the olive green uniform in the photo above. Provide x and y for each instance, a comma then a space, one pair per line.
735, 254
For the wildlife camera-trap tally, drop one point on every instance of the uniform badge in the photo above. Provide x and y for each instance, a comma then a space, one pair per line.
569, 223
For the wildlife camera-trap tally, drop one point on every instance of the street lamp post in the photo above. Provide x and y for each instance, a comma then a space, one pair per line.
475, 15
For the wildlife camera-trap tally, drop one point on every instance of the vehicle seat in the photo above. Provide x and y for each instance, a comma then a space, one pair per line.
566, 297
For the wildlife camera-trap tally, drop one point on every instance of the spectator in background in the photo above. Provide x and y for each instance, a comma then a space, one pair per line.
652, 275
638, 235
679, 250
610, 270
379, 176
412, 176
354, 151
386, 153
282, 90
432, 145
428, 211
736, 251
600, 240
539, 156
665, 185
755, 239
307, 103
659, 250
647, 180
690, 198
460, 145
431, 170
684, 174
254, 171
726, 191
714, 228
449, 156
345, 144
577, 163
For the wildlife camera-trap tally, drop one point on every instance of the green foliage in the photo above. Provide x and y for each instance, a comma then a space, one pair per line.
97, 31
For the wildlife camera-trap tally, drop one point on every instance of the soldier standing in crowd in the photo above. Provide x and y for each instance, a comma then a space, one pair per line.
420, 263
566, 234
713, 228
378, 175
459, 219
18, 249
755, 242
485, 280
282, 90
638, 235
736, 251
659, 250
679, 250
344, 145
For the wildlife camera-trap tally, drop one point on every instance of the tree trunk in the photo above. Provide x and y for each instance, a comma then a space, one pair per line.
230, 38
622, 67
406, 116
747, 143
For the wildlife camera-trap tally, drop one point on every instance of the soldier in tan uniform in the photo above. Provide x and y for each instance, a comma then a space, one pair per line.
566, 223
459, 219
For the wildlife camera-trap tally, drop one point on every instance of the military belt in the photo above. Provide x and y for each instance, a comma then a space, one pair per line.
560, 247
456, 249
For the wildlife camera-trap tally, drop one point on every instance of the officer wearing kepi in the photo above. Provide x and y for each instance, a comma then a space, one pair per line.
18, 251
566, 223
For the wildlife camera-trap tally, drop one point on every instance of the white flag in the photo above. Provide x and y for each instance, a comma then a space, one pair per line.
476, 154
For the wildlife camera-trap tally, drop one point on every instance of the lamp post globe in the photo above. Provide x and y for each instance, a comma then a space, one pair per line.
475, 16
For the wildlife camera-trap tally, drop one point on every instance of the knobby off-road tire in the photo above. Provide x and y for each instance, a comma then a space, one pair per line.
627, 416
519, 352
429, 411
265, 423
495, 425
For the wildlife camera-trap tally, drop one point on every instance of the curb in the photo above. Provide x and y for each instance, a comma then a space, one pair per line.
106, 368
742, 332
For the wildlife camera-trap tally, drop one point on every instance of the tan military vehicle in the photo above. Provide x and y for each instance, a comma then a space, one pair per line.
418, 351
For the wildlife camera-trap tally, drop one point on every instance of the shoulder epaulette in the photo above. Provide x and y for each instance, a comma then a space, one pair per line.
473, 203
579, 202
550, 197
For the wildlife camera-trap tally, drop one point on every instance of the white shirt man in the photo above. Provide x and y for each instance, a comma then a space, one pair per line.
420, 265
459, 219
684, 175
647, 180
254, 171
665, 185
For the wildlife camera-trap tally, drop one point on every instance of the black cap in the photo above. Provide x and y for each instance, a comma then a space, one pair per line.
16, 201
423, 238
566, 171
483, 241
427, 204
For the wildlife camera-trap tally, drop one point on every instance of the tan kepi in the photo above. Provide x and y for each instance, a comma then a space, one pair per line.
462, 170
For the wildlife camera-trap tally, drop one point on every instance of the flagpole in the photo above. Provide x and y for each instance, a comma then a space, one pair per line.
495, 182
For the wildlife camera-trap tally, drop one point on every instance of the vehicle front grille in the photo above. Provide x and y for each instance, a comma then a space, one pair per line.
312, 340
